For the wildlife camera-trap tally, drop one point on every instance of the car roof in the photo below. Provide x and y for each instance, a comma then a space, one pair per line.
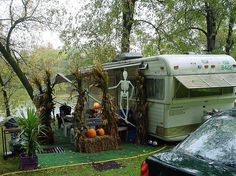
229, 112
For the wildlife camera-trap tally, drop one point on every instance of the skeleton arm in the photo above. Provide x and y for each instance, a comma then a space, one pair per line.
113, 87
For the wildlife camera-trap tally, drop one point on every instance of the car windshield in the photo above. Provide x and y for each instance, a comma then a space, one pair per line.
214, 140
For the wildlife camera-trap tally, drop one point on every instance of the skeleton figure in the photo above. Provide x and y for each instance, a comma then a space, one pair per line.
124, 95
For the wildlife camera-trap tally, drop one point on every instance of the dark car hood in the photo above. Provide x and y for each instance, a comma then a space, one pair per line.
192, 165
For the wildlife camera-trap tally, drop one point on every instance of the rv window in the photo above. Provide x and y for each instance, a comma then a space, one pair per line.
211, 91
183, 92
228, 90
155, 88
205, 92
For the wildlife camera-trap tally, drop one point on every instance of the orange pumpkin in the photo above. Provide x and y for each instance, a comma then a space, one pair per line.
96, 105
100, 132
91, 133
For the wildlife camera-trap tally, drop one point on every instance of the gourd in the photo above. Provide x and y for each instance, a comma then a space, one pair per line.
100, 132
91, 133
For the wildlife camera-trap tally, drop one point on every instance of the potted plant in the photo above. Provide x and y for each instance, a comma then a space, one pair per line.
30, 128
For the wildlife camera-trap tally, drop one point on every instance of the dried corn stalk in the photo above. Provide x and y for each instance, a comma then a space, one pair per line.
44, 104
141, 109
108, 115
79, 121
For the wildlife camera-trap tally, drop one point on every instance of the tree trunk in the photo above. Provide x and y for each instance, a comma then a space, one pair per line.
211, 27
5, 97
230, 38
8, 57
128, 20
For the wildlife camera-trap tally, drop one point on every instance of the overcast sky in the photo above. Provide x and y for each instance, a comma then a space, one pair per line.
71, 7
46, 37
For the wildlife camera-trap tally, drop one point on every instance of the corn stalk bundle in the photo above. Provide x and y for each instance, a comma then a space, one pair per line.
141, 109
79, 121
44, 105
108, 115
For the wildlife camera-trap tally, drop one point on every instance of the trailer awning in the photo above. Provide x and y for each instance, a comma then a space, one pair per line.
60, 78
208, 81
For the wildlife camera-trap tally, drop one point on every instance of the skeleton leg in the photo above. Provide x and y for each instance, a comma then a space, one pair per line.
127, 105
124, 114
121, 108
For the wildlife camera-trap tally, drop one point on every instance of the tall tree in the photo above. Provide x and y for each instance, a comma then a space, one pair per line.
230, 39
8, 85
128, 10
153, 27
205, 20
5, 96
22, 15
211, 25
110, 24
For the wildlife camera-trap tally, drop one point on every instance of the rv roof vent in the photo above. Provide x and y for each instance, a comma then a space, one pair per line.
127, 56
190, 53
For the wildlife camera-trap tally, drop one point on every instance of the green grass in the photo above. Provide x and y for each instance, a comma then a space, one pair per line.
130, 167
129, 156
72, 157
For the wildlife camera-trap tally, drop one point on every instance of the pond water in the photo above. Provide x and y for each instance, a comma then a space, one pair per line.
1, 119
22, 106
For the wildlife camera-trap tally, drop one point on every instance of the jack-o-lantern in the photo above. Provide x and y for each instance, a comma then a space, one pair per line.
91, 133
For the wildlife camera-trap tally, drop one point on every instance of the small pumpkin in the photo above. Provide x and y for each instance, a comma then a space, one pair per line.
91, 133
100, 132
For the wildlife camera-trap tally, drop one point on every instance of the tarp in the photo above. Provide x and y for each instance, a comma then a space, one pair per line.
208, 81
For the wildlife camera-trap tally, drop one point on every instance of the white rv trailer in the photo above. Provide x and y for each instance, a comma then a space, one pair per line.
179, 89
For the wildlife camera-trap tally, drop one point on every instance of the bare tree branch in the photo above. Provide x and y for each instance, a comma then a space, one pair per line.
10, 11
5, 19
18, 53
218, 26
199, 29
20, 20
35, 8
25, 3
148, 22
8, 79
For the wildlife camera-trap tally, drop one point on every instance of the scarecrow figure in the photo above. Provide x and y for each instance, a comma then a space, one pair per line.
124, 95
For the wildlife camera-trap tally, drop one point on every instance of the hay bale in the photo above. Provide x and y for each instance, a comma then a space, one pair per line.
97, 144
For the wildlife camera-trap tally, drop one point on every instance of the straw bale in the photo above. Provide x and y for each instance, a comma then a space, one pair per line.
97, 144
